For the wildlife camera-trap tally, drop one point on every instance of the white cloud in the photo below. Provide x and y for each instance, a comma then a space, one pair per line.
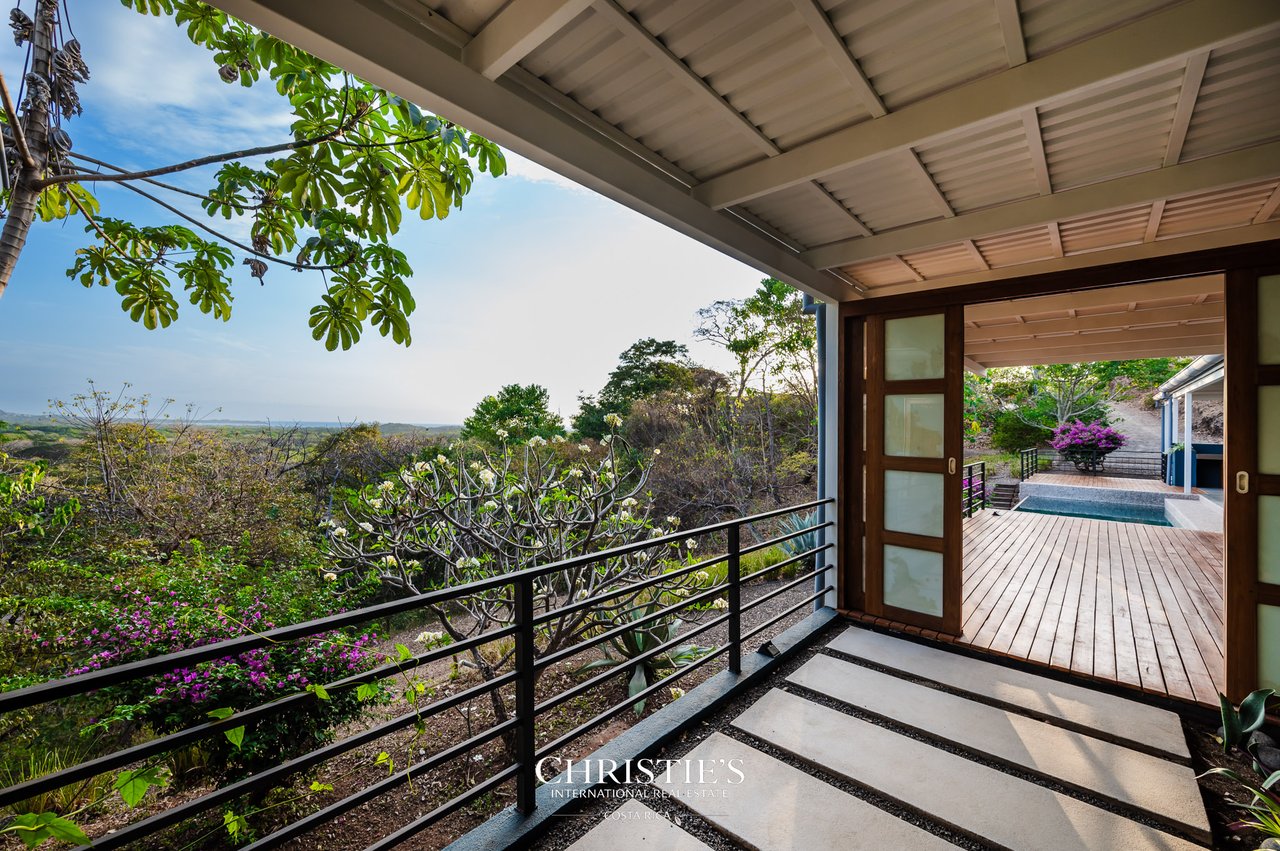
526, 169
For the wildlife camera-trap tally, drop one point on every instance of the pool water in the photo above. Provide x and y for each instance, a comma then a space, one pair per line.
1124, 513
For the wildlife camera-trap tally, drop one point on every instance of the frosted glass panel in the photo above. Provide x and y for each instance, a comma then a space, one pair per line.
914, 347
913, 502
913, 580
1269, 647
1269, 319
1269, 539
913, 425
1268, 429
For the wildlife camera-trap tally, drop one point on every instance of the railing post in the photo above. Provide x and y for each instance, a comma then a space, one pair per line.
527, 779
735, 600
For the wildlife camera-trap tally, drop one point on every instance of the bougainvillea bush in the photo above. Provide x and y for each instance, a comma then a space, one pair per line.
139, 624
1080, 438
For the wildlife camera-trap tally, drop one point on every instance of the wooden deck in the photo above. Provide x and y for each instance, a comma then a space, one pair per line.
1124, 602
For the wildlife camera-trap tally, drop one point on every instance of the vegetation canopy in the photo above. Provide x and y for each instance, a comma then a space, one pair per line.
327, 200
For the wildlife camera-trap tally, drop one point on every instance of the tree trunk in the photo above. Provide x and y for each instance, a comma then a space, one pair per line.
35, 127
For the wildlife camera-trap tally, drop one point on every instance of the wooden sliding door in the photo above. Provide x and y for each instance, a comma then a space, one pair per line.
913, 423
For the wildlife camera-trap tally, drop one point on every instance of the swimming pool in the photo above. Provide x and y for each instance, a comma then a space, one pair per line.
1122, 512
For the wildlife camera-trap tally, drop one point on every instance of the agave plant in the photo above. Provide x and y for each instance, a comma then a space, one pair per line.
1239, 725
640, 640
800, 543
1263, 814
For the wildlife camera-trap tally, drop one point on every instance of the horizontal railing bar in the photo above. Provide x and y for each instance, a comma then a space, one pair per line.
625, 665
773, 542
623, 705
368, 793
83, 683
164, 819
746, 607
625, 590
164, 744
806, 601
569, 652
423, 822
764, 571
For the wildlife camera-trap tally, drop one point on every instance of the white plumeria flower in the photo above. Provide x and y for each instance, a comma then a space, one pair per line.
465, 563
330, 576
487, 477
672, 520
613, 420
490, 505
629, 502
676, 693
606, 440
693, 545
430, 637
657, 452
339, 532
720, 603
389, 561
367, 527
702, 576
442, 461
606, 476
537, 440
473, 466
557, 438
386, 485
582, 447
421, 466
375, 504
501, 433
623, 516
575, 473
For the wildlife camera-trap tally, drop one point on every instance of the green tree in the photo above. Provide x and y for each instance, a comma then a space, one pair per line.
516, 413
648, 366
327, 200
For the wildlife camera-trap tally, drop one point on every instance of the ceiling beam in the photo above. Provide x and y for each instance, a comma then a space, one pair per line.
930, 185
1268, 207
1015, 46
1167, 35
1092, 299
1153, 221
976, 254
975, 367
1243, 166
517, 31
1077, 343
1191, 79
398, 52
1035, 144
834, 46
1210, 240
1155, 350
1211, 312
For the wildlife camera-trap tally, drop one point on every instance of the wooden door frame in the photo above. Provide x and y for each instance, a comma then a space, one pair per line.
1243, 587
1240, 587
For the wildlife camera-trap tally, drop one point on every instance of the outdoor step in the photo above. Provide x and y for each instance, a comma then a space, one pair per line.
1004, 810
1163, 789
780, 807
1093, 712
633, 825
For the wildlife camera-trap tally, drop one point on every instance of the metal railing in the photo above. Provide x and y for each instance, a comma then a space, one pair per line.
1029, 463
521, 729
1118, 462
973, 493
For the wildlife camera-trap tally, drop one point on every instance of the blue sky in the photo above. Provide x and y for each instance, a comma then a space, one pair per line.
534, 280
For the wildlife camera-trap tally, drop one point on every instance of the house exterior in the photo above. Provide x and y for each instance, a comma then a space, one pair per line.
899, 162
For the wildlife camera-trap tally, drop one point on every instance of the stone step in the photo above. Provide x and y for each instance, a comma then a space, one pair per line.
1086, 710
633, 825
776, 807
1005, 810
1160, 788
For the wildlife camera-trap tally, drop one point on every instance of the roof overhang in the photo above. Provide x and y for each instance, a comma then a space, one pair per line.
853, 150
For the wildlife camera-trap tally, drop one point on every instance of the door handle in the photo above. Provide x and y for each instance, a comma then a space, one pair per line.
1242, 482
951, 466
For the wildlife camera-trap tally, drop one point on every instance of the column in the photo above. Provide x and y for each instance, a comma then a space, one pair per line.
1186, 452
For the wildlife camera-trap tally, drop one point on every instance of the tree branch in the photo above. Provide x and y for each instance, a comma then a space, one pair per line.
19, 138
190, 164
243, 208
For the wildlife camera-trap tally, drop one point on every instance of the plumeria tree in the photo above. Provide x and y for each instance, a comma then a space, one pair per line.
467, 516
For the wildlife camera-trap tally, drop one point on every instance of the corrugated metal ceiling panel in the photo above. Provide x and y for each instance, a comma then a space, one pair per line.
911, 49
470, 15
879, 273
1049, 25
884, 193
1020, 246
985, 166
944, 260
1214, 210
1105, 230
1239, 103
801, 214
1113, 130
